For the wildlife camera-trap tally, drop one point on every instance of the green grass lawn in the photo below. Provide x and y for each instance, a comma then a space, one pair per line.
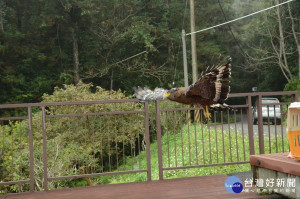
209, 144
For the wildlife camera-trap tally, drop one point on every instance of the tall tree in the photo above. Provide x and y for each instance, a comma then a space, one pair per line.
124, 43
2, 12
71, 13
75, 14
275, 43
295, 29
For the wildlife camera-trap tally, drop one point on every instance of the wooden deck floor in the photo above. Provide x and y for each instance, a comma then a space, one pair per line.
196, 187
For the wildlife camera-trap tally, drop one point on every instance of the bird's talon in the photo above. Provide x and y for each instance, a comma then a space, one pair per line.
207, 115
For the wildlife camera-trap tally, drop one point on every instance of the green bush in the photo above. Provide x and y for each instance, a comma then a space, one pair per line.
294, 85
75, 145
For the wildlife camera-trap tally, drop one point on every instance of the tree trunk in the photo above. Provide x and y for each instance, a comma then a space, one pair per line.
87, 171
19, 16
296, 37
75, 53
1, 20
298, 47
112, 80
297, 41
282, 53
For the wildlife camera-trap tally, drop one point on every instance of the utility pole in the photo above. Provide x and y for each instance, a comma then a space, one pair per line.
193, 42
194, 55
185, 69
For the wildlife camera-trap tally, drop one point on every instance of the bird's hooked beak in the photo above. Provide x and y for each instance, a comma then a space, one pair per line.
166, 95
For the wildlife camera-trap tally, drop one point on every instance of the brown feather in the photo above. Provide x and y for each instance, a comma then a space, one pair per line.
212, 88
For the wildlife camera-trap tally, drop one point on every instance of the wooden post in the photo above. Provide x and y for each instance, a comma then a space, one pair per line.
194, 53
193, 42
185, 69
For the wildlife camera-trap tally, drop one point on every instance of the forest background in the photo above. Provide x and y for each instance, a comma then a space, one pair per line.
48, 46
119, 44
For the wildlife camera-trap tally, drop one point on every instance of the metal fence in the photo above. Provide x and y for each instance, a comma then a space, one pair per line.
229, 138
117, 131
114, 130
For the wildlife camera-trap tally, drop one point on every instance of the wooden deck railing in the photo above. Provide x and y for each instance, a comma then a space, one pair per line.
229, 138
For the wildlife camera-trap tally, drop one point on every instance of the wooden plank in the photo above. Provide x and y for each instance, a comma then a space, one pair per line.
277, 162
194, 187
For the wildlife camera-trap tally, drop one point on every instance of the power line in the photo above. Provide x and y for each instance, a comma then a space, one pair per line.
229, 27
129, 58
145, 51
183, 20
140, 53
239, 18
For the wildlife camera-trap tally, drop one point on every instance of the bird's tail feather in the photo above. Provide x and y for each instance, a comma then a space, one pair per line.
145, 95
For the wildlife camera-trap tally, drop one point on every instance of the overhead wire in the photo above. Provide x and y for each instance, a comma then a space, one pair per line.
205, 29
243, 17
140, 53
229, 28
129, 58
176, 64
145, 51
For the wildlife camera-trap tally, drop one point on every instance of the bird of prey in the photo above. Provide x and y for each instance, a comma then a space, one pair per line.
210, 90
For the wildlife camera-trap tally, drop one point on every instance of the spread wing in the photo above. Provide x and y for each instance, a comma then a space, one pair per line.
148, 95
213, 85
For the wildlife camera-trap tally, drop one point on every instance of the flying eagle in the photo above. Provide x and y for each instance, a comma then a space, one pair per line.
211, 90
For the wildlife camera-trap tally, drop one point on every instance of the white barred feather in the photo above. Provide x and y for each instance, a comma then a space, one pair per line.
145, 95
